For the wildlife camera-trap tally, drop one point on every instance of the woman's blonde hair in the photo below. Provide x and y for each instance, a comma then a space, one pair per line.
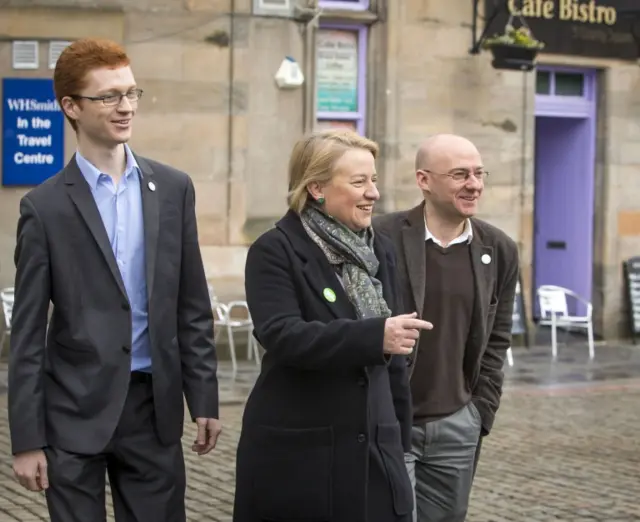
313, 158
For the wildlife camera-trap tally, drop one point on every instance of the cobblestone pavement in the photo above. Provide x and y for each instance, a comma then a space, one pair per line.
565, 447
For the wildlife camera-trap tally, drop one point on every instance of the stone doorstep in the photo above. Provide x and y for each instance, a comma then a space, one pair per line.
228, 288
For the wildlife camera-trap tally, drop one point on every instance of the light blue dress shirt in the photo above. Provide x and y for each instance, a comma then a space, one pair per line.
120, 207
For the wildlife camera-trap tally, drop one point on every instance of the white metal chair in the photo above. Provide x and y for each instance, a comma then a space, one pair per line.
6, 297
225, 320
554, 312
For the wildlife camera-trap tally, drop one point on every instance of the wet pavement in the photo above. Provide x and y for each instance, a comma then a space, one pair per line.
565, 445
572, 366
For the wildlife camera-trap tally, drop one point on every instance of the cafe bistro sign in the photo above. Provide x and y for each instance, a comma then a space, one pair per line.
575, 27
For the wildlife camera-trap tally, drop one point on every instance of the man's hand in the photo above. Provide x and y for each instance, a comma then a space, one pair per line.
208, 431
30, 468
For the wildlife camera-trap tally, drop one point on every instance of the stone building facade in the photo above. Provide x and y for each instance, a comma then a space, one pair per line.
404, 71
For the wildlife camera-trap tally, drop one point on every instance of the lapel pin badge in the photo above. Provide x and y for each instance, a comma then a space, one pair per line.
486, 259
152, 186
329, 295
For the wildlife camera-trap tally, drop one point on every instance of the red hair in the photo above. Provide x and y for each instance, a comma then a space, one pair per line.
80, 58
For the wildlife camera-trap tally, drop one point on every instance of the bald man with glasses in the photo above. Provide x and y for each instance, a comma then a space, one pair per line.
460, 274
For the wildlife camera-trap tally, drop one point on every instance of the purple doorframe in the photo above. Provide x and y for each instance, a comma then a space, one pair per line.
565, 140
360, 116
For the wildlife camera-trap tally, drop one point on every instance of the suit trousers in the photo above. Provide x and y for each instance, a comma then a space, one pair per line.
147, 479
442, 463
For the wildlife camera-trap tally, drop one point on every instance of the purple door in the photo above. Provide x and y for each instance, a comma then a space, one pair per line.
563, 227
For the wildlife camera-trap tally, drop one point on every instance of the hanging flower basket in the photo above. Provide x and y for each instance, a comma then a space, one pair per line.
516, 49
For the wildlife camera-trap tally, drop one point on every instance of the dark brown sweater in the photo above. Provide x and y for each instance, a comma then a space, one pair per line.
438, 384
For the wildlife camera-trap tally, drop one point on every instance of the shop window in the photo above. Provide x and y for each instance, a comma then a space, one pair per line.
543, 82
569, 84
341, 76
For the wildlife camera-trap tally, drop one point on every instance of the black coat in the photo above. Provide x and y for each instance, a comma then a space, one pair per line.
326, 424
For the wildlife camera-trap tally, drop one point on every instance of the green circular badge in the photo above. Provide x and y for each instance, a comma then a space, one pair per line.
329, 295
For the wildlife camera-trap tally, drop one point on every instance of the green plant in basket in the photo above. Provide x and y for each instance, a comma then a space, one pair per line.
520, 37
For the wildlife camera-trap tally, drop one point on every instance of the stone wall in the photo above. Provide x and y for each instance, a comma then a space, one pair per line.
621, 215
437, 86
210, 108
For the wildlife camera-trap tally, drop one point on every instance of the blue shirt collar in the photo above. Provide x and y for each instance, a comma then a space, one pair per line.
92, 174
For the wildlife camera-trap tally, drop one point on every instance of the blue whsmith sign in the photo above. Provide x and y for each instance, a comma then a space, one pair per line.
32, 132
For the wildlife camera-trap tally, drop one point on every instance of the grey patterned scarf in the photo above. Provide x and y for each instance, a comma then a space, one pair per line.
354, 256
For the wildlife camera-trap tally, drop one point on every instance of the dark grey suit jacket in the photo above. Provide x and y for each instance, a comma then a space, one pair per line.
495, 287
67, 386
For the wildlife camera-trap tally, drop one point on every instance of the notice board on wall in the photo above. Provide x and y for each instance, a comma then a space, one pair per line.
32, 132
337, 70
631, 269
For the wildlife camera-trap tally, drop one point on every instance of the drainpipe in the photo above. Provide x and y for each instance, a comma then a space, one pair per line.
232, 13
528, 306
309, 103
523, 159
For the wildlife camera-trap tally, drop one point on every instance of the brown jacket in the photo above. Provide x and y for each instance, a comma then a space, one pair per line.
495, 287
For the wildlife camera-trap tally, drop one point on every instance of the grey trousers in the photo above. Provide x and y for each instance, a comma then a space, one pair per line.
441, 465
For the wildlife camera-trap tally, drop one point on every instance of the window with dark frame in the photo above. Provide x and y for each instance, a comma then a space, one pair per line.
560, 83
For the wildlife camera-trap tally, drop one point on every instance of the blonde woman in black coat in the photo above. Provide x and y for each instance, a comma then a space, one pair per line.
328, 421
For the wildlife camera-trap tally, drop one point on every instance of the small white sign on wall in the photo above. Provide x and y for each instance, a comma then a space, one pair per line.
55, 49
24, 54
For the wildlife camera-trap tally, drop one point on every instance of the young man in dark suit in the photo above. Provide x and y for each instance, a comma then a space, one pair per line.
111, 241
460, 274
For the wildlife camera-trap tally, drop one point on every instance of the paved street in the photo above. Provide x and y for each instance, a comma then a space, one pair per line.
565, 447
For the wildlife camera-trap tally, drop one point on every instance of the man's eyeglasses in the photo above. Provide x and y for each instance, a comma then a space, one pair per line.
111, 100
462, 174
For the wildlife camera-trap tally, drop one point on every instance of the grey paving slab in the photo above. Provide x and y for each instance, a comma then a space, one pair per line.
565, 446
